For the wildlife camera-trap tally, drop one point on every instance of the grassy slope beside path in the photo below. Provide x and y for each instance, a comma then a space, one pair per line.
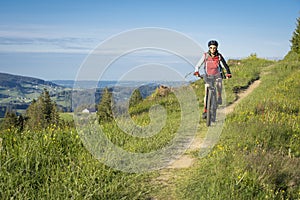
258, 154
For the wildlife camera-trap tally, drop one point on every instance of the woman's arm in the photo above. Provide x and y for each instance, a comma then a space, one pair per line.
224, 65
200, 66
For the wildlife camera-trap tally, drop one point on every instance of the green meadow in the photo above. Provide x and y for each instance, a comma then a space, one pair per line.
257, 156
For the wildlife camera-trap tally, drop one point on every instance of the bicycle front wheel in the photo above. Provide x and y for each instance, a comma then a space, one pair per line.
213, 107
209, 108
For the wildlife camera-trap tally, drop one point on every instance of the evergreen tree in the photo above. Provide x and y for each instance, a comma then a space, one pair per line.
20, 122
296, 39
10, 120
47, 106
104, 108
135, 98
42, 112
34, 115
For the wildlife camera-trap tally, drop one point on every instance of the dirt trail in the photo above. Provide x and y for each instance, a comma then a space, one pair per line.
168, 175
186, 161
241, 96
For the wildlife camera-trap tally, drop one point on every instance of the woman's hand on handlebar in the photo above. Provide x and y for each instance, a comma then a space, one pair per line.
196, 74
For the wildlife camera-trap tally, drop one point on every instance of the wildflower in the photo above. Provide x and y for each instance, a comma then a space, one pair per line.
220, 147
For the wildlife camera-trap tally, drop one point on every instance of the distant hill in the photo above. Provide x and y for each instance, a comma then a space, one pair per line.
11, 81
17, 92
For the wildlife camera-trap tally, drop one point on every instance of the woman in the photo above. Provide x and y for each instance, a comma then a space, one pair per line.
213, 64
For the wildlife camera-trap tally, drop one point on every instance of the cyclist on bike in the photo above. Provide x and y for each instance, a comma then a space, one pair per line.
213, 64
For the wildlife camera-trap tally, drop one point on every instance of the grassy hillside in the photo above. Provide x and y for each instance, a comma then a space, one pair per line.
17, 92
258, 154
256, 158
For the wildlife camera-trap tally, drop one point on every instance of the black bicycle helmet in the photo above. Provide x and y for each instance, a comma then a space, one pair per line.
213, 42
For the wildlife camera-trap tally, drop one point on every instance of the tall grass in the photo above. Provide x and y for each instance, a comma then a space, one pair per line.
53, 164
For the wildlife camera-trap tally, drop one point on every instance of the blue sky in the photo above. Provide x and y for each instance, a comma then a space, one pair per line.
51, 39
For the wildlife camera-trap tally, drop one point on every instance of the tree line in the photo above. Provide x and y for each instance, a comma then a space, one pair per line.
43, 112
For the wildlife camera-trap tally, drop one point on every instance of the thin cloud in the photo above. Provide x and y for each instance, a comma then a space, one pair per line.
41, 38
38, 44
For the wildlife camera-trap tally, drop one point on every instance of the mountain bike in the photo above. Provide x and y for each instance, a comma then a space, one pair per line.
211, 100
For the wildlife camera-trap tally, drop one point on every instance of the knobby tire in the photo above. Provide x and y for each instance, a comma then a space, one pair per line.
213, 107
209, 108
